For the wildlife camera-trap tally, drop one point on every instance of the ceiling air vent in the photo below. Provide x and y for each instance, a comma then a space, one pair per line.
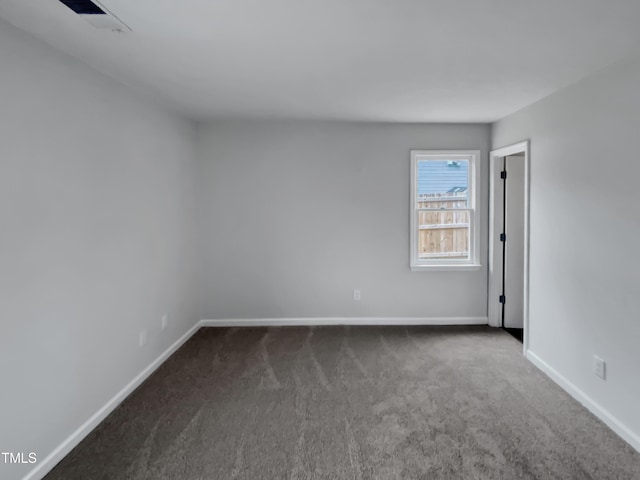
83, 7
96, 14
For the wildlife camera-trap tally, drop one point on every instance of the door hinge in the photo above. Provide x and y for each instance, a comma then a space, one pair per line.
503, 299
503, 237
503, 174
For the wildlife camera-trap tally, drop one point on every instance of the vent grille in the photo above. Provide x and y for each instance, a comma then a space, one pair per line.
83, 7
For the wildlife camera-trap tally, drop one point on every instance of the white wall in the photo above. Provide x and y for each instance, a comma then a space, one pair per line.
96, 243
296, 215
585, 269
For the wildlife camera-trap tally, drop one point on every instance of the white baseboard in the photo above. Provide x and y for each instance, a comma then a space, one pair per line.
76, 437
317, 321
612, 422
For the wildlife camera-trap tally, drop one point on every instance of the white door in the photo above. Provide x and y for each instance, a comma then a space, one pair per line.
514, 245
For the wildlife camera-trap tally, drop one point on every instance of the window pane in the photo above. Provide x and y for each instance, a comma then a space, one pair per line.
442, 183
443, 235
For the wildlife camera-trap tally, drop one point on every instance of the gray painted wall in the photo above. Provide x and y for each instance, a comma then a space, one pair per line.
294, 216
97, 243
585, 271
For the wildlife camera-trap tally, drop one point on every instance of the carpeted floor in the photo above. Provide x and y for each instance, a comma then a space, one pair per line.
350, 403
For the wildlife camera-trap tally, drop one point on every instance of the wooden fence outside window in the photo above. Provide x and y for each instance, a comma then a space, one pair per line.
443, 233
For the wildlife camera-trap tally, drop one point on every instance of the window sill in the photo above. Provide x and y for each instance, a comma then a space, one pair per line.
468, 267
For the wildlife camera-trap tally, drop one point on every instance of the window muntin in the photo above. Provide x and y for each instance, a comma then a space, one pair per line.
443, 215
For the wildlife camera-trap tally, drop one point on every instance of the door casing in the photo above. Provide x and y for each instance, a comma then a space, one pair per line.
495, 228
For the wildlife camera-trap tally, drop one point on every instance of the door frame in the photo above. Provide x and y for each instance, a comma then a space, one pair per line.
495, 271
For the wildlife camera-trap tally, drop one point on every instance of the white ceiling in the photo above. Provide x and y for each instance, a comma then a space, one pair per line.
371, 60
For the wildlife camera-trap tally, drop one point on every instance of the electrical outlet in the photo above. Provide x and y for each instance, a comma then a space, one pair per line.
143, 338
599, 367
164, 322
356, 295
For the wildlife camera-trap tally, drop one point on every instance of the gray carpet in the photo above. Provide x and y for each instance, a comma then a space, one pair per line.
350, 403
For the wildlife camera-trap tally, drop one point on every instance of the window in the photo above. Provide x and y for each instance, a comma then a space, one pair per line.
444, 222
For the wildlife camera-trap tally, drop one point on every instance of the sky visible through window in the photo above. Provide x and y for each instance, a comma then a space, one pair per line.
442, 176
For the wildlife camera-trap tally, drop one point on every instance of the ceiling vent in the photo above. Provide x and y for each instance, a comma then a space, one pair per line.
97, 15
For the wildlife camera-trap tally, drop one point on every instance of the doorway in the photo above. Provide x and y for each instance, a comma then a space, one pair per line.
509, 240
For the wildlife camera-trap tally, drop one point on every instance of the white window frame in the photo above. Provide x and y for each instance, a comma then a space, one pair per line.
429, 265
